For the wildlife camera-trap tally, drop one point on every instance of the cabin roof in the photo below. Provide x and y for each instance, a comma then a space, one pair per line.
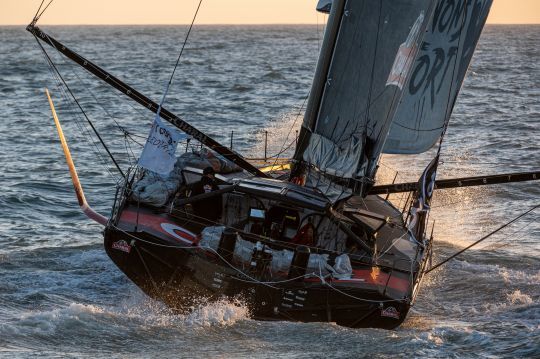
284, 191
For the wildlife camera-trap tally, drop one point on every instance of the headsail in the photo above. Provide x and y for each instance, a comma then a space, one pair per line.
366, 58
439, 71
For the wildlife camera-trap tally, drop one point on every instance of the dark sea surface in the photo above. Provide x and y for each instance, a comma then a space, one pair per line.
60, 295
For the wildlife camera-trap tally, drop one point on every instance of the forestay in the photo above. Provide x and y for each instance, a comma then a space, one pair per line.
366, 59
439, 71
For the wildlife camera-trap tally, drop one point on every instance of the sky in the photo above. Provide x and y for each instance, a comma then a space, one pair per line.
75, 12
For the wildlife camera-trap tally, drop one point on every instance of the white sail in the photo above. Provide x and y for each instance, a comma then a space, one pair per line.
158, 153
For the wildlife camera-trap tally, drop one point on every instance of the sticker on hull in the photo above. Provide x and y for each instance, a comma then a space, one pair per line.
390, 312
121, 246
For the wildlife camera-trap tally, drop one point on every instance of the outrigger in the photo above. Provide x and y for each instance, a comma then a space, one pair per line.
316, 243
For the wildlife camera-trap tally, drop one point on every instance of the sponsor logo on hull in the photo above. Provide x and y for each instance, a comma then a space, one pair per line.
121, 246
179, 232
390, 312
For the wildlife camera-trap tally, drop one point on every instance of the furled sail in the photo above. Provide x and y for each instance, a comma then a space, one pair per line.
366, 59
437, 75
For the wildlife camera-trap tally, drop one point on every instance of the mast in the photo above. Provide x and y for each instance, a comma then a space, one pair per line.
145, 101
321, 74
366, 58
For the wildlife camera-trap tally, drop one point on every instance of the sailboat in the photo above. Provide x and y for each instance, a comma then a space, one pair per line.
320, 241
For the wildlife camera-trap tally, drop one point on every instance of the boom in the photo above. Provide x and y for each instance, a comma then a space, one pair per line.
459, 182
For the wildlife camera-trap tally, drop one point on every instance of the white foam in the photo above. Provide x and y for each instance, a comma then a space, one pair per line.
437, 340
281, 132
515, 276
222, 312
518, 298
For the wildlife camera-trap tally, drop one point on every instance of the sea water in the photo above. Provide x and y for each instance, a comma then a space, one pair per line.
60, 295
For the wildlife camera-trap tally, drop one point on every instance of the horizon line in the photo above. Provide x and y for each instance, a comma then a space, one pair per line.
223, 24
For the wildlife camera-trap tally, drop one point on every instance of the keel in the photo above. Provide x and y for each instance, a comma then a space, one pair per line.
88, 211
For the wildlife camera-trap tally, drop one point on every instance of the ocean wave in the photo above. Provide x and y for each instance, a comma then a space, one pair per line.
61, 297
85, 318
223, 312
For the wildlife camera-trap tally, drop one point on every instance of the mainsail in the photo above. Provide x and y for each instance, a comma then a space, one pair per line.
439, 71
366, 59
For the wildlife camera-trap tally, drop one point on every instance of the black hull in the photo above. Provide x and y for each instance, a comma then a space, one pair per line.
183, 277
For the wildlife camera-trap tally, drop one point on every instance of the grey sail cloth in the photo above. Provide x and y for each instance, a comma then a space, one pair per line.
324, 6
372, 58
438, 72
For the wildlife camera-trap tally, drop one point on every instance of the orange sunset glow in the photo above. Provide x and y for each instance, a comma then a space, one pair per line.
74, 12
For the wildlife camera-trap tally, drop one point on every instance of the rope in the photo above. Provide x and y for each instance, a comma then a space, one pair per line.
38, 13
178, 59
43, 11
482, 239
254, 280
77, 115
497, 244
51, 63
282, 149
35, 18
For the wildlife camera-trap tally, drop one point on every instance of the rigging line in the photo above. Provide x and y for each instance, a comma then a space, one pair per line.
281, 151
129, 151
41, 13
125, 132
131, 135
483, 238
35, 18
73, 66
275, 156
203, 221
80, 107
389, 167
73, 69
496, 244
178, 59
418, 129
252, 279
77, 117
79, 120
